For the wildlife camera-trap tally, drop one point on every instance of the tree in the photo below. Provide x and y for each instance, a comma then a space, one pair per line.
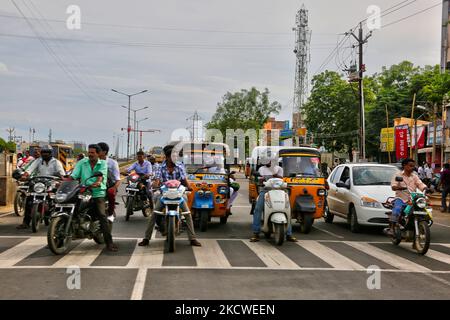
2, 145
246, 109
332, 111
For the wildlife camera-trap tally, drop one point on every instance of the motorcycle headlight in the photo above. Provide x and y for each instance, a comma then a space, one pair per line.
421, 203
222, 190
39, 187
200, 193
370, 203
61, 197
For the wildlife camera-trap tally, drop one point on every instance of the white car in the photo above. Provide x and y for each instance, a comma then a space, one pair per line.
357, 191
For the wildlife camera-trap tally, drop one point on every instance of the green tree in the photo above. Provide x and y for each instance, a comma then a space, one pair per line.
2, 145
246, 109
332, 111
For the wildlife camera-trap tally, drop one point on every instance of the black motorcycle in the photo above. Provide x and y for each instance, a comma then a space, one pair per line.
40, 198
73, 217
21, 193
136, 198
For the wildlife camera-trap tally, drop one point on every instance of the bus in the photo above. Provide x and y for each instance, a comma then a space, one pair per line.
62, 152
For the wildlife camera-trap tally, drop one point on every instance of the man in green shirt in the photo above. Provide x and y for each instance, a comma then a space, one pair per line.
83, 170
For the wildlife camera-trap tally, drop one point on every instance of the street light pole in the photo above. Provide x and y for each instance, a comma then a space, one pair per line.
129, 111
140, 133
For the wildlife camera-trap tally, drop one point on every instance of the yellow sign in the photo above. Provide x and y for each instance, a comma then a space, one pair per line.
387, 140
305, 180
301, 131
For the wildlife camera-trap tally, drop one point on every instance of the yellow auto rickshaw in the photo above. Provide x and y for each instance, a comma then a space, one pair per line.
209, 179
306, 184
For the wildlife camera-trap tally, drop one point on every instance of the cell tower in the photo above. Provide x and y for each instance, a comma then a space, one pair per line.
302, 54
196, 128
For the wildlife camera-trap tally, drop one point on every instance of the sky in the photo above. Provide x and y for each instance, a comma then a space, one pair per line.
187, 54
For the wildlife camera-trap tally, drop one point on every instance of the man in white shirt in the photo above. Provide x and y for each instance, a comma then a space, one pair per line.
46, 165
270, 170
113, 181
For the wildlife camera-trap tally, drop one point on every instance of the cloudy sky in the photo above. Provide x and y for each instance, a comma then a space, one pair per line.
186, 53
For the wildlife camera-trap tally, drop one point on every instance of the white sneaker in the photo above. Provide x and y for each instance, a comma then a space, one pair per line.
111, 218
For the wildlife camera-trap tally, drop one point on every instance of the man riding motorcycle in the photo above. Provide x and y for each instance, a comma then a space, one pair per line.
143, 168
170, 170
113, 180
46, 165
411, 182
272, 170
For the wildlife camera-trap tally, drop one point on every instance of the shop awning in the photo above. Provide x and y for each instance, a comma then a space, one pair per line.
426, 150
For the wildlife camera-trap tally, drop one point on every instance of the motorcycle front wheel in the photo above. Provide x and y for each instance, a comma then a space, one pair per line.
171, 234
19, 204
422, 241
279, 234
35, 218
57, 241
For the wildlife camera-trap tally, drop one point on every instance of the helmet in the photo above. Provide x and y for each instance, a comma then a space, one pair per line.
46, 148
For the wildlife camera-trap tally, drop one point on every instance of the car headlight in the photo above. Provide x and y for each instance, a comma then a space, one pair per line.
39, 187
321, 192
421, 203
370, 203
61, 197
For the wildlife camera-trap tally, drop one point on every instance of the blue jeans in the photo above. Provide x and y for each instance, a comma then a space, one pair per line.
257, 214
399, 206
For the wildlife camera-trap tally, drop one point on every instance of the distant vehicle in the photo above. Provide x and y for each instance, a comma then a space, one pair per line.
62, 152
357, 191
158, 153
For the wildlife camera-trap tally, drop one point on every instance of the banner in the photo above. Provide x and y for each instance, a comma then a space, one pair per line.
401, 142
387, 139
430, 134
420, 137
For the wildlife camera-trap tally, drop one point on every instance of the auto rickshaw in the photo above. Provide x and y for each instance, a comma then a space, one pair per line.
209, 179
306, 184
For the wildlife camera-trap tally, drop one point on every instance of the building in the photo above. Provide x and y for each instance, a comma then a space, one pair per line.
277, 130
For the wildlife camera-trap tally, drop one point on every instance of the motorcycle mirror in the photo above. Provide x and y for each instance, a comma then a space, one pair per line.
399, 179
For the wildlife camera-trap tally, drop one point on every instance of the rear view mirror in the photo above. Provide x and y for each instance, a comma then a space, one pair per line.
399, 179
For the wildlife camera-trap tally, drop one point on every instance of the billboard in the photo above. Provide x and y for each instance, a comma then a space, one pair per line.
430, 134
401, 141
387, 139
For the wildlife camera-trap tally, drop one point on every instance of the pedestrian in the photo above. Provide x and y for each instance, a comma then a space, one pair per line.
445, 183
428, 174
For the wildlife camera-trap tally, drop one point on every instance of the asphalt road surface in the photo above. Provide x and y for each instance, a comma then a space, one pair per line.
329, 263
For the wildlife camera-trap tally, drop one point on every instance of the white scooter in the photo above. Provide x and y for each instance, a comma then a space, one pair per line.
277, 210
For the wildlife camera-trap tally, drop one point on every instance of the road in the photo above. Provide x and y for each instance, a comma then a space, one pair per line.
329, 263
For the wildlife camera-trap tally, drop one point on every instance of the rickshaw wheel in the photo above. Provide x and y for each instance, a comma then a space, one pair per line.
306, 224
204, 216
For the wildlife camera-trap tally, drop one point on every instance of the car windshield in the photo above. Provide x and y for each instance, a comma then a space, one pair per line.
301, 166
204, 163
373, 175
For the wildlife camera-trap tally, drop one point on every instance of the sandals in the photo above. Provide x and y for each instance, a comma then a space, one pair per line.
254, 238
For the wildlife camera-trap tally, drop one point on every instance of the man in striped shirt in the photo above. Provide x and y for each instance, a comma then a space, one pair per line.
170, 170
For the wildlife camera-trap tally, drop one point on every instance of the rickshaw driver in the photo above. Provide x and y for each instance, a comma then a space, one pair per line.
270, 170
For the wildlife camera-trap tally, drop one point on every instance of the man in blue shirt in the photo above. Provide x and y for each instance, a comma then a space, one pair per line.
170, 170
144, 169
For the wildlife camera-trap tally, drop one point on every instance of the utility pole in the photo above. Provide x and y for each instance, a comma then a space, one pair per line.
362, 68
387, 127
50, 136
129, 110
10, 131
433, 155
196, 126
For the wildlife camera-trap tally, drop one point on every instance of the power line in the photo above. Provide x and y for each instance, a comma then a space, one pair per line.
412, 15
172, 29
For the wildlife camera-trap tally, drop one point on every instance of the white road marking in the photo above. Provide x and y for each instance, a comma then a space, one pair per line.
271, 256
150, 256
19, 252
333, 258
139, 285
389, 258
210, 255
82, 255
442, 225
329, 232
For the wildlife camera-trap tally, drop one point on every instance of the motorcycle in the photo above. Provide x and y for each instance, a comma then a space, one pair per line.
414, 222
172, 198
21, 193
277, 210
72, 218
136, 198
42, 204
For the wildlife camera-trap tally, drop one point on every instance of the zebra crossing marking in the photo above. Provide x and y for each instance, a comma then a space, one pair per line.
271, 256
82, 255
210, 255
333, 258
389, 258
19, 252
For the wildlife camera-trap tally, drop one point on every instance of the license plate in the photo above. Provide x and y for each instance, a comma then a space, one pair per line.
205, 206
